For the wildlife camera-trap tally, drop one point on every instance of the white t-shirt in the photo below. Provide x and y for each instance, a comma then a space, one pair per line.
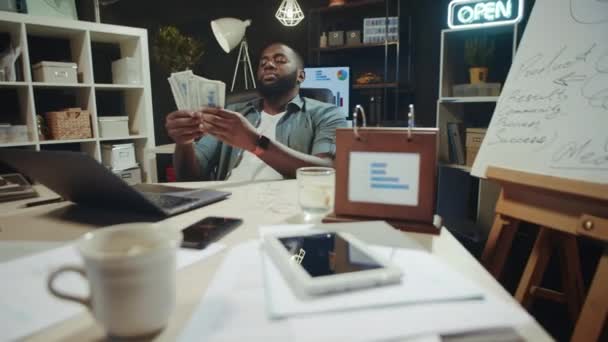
252, 167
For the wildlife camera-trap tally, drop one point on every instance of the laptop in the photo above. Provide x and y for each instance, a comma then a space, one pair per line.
81, 179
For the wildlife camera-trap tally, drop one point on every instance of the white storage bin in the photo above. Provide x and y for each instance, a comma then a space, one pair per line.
118, 156
479, 89
18, 133
131, 176
126, 71
8, 5
5, 130
56, 72
113, 126
13, 133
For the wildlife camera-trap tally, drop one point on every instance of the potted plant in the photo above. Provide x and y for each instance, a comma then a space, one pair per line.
478, 52
175, 51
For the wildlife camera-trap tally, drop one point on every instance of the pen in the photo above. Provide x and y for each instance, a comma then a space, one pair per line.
43, 202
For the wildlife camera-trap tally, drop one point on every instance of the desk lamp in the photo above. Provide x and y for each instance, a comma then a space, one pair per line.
230, 32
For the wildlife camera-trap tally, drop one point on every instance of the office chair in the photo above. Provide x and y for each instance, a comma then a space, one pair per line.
323, 95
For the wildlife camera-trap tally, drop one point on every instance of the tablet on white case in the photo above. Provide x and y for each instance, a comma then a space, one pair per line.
316, 263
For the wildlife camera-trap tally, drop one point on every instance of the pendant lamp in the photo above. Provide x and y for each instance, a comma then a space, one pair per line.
289, 13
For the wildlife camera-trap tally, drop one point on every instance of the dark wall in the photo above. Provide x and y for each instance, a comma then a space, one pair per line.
192, 17
428, 19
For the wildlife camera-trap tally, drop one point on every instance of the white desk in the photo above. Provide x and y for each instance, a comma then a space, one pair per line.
258, 204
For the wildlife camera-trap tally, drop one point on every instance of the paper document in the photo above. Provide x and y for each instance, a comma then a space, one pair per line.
192, 92
233, 309
425, 280
386, 178
27, 306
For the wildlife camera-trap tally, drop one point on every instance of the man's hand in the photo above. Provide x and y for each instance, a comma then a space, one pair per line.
230, 127
184, 126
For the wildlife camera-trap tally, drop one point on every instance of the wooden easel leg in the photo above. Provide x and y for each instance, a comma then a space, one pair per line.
572, 279
499, 243
595, 310
535, 268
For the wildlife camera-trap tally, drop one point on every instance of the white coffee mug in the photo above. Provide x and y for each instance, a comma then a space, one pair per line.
131, 270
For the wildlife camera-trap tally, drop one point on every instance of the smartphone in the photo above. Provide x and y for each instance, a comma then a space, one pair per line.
208, 230
319, 263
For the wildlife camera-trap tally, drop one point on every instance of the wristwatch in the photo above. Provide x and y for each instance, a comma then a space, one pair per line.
261, 145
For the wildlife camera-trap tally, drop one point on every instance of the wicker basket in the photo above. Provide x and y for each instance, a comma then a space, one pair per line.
69, 123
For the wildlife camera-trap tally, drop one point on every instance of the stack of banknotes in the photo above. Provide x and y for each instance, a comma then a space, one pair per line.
192, 92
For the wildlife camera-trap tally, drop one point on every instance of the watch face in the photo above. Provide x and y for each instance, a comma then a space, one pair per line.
263, 142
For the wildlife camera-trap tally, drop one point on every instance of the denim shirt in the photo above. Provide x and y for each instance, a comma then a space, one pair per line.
308, 126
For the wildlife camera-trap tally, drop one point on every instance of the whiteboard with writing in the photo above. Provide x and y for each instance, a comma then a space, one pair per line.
552, 115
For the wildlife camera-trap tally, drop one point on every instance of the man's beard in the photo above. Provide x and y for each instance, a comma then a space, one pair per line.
279, 87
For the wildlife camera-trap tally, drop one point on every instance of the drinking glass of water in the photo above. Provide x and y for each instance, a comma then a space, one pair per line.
316, 190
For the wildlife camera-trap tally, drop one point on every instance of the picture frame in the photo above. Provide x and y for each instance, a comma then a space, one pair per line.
387, 174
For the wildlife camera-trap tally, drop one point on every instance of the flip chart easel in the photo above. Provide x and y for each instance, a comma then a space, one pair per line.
564, 209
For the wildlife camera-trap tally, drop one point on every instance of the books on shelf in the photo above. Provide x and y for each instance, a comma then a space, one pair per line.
14, 186
374, 30
456, 143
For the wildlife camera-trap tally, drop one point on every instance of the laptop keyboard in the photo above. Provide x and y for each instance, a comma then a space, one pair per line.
168, 201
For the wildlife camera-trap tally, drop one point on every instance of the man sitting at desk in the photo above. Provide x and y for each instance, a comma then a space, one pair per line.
265, 139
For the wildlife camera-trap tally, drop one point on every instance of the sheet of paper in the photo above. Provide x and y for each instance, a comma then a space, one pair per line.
388, 178
27, 306
402, 321
552, 114
425, 280
371, 232
233, 309
279, 229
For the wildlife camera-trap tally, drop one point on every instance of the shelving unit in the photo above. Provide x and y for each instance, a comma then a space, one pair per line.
375, 86
391, 60
468, 99
357, 46
470, 112
347, 5
92, 47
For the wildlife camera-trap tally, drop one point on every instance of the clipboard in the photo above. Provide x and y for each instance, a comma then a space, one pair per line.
387, 174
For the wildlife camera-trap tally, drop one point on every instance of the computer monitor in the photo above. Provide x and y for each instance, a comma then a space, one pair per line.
336, 79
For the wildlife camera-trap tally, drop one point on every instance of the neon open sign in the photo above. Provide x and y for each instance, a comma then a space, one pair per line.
476, 13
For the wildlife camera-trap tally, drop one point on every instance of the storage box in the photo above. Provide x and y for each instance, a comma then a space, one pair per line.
8, 5
55, 8
55, 72
4, 133
336, 38
353, 37
126, 71
479, 89
118, 156
474, 138
18, 133
113, 126
374, 30
69, 123
131, 176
